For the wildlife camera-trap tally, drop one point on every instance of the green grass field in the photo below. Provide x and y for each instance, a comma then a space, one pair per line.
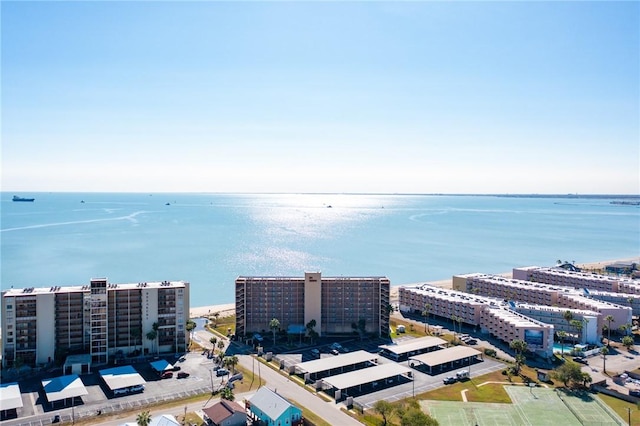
531, 406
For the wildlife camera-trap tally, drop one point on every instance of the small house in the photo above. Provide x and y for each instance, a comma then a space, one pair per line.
225, 413
273, 410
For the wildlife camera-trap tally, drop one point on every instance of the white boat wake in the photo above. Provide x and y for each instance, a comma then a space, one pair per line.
131, 218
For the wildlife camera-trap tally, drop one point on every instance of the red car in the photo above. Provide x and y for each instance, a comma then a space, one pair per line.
166, 375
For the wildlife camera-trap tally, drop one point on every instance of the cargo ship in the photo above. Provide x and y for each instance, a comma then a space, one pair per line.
16, 198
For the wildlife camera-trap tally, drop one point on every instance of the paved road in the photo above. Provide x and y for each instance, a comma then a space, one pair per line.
329, 411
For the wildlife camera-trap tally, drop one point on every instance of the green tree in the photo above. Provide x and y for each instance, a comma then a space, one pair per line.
414, 416
586, 379
227, 393
627, 341
191, 325
143, 419
385, 409
568, 372
425, 314
310, 330
136, 334
213, 341
230, 361
520, 346
604, 351
568, 316
577, 325
215, 317
609, 319
220, 345
155, 326
151, 336
562, 335
274, 325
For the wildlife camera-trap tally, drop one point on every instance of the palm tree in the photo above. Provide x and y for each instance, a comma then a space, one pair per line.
609, 319
156, 327
136, 334
604, 351
152, 335
568, 316
227, 393
562, 335
231, 361
520, 346
215, 316
310, 330
213, 341
221, 344
143, 419
191, 325
425, 314
274, 325
578, 325
586, 378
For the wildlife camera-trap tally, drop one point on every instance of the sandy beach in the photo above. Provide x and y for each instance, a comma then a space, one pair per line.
229, 308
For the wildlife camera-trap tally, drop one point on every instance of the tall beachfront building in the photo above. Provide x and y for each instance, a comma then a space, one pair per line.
335, 303
101, 319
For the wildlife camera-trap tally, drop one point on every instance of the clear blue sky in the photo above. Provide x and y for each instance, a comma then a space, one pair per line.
421, 97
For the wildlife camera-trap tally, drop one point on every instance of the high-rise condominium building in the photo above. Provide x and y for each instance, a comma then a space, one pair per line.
335, 303
101, 319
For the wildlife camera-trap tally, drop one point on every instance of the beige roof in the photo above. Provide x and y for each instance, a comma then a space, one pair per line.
367, 375
445, 355
338, 361
121, 377
414, 345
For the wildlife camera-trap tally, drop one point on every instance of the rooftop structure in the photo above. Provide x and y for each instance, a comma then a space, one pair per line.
269, 407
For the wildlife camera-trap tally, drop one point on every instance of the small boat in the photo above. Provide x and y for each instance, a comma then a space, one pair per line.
16, 198
167, 204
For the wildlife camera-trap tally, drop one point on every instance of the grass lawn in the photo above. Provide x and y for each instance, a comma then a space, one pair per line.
620, 407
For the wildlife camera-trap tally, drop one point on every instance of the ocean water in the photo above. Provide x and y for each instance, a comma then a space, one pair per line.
210, 239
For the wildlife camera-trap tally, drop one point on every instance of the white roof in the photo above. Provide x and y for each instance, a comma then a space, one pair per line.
445, 355
338, 361
161, 420
121, 377
270, 403
367, 375
64, 387
414, 345
10, 396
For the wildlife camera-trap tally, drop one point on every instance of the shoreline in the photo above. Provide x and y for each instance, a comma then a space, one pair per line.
228, 309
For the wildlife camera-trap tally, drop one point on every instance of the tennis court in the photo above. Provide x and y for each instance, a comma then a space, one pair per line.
531, 406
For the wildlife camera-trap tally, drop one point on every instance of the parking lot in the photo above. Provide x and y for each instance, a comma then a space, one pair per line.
100, 399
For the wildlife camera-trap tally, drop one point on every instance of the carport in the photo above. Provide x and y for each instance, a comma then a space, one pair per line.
413, 347
63, 387
355, 379
446, 358
318, 368
121, 377
10, 399
161, 365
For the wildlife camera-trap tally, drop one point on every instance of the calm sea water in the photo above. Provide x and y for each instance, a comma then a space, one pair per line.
210, 239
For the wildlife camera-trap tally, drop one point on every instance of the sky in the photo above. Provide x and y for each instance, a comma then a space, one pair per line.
388, 97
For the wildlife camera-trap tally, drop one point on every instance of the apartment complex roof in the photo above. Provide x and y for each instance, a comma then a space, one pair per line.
443, 356
330, 363
414, 345
80, 288
358, 377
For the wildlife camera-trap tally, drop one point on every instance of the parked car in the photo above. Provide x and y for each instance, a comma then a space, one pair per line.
137, 388
166, 375
176, 368
183, 375
315, 352
580, 360
335, 352
449, 380
222, 372
634, 392
121, 391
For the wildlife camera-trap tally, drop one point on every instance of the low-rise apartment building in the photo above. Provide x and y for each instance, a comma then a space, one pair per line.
335, 303
508, 325
588, 332
540, 294
491, 315
40, 325
574, 279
